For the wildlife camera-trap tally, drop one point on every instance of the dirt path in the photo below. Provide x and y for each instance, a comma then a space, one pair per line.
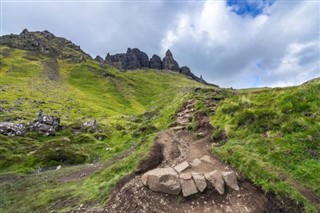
181, 145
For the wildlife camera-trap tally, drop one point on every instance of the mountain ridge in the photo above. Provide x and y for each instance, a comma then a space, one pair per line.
46, 43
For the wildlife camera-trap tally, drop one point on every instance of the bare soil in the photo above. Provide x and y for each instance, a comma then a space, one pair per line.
180, 145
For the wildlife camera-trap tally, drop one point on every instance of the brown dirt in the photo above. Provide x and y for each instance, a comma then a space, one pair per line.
51, 69
180, 145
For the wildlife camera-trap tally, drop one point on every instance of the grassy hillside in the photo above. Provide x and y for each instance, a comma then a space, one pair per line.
273, 137
129, 107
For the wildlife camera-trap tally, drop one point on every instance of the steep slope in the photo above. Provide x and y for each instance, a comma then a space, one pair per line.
272, 136
108, 122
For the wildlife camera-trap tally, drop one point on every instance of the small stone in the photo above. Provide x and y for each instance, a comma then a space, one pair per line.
239, 195
182, 166
58, 167
196, 162
206, 159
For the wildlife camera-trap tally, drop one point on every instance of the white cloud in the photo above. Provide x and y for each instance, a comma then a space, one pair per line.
279, 47
226, 47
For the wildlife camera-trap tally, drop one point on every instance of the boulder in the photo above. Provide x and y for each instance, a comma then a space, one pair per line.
182, 166
169, 63
200, 181
164, 180
155, 62
187, 185
231, 180
216, 179
12, 129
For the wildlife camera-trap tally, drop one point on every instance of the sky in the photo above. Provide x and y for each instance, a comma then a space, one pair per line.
232, 43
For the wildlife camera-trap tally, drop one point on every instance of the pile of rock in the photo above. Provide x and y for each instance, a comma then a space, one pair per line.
45, 124
12, 129
172, 181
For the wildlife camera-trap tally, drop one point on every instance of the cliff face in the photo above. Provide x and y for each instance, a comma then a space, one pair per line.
137, 59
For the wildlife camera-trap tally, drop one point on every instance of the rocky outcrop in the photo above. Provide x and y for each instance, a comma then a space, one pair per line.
185, 70
12, 129
99, 59
132, 59
45, 43
169, 63
155, 62
45, 124
136, 59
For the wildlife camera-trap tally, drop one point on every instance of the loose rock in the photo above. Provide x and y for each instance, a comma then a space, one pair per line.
182, 166
231, 180
164, 180
206, 159
216, 179
200, 181
196, 162
187, 185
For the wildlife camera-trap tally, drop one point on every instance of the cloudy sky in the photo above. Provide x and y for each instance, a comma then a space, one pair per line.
233, 43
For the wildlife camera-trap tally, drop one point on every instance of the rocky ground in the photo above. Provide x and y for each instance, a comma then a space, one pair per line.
180, 145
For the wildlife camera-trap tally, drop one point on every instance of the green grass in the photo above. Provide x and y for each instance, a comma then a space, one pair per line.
274, 139
123, 103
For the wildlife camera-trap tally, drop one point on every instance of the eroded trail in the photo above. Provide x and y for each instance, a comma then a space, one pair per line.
181, 145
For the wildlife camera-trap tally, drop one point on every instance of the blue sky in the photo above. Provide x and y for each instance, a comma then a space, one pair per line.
252, 7
231, 43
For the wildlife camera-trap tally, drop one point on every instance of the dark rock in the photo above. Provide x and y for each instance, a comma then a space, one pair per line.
185, 70
11, 129
45, 43
90, 125
155, 62
169, 63
99, 59
45, 124
142, 57
132, 59
117, 60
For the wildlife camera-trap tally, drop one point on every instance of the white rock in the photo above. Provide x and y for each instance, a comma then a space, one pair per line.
196, 162
182, 166
206, 159
58, 167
